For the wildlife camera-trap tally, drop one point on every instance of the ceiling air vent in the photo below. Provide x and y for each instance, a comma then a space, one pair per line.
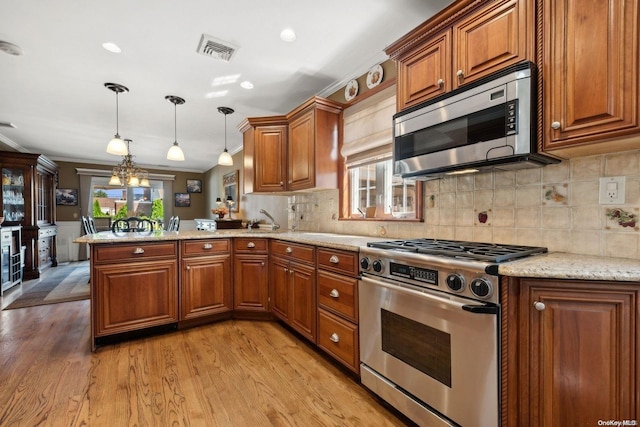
216, 48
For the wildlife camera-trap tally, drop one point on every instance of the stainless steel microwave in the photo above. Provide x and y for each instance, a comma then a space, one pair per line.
488, 124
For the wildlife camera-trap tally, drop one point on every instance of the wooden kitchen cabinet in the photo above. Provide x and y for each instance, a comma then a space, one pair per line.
205, 285
133, 287
28, 200
250, 279
338, 306
293, 286
265, 154
313, 145
590, 76
465, 42
572, 352
293, 152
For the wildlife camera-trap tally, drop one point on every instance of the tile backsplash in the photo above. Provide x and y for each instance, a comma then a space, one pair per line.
556, 206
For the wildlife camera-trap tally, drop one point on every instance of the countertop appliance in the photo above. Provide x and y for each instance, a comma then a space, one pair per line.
487, 124
430, 327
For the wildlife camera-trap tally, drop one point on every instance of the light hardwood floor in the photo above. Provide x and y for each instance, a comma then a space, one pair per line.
231, 373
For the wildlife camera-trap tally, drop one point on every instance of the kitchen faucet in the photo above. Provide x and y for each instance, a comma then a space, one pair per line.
274, 224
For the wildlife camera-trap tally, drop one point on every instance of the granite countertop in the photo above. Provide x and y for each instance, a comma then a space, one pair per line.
330, 240
560, 265
555, 265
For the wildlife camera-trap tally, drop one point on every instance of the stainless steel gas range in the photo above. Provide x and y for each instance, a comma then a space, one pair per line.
429, 327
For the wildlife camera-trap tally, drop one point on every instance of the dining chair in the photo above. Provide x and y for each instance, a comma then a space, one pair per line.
174, 223
132, 224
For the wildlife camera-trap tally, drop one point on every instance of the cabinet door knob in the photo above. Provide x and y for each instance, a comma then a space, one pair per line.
460, 74
288, 250
334, 337
539, 305
334, 259
290, 271
138, 251
440, 83
262, 264
207, 246
281, 184
188, 267
555, 125
286, 269
251, 245
334, 293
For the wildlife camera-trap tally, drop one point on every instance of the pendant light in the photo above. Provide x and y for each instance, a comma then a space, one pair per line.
175, 152
116, 145
225, 158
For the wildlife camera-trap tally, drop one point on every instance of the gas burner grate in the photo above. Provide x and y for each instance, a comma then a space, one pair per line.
488, 252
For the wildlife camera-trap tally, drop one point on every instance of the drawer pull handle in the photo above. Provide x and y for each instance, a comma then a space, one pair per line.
288, 250
334, 293
334, 337
137, 251
460, 74
334, 259
555, 125
286, 269
251, 245
207, 246
440, 83
539, 305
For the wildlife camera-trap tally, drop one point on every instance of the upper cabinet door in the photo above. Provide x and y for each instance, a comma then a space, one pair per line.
590, 77
270, 148
302, 144
491, 39
425, 72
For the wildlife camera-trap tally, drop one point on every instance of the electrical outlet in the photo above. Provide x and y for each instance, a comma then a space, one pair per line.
612, 190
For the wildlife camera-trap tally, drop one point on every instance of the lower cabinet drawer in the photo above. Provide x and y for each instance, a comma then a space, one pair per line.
339, 338
131, 252
338, 294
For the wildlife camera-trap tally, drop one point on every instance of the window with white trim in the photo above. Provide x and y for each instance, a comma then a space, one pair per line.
367, 149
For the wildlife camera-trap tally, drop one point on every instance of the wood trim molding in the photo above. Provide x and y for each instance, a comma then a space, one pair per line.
433, 25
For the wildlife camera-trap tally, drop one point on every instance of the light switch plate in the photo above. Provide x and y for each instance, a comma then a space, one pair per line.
612, 190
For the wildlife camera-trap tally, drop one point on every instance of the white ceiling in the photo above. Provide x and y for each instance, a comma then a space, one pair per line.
54, 93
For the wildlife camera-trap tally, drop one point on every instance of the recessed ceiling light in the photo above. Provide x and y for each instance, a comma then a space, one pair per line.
288, 35
111, 47
246, 85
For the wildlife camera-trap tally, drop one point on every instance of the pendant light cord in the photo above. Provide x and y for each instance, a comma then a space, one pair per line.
175, 122
225, 131
117, 115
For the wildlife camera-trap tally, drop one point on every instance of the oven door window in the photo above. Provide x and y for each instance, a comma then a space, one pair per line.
423, 347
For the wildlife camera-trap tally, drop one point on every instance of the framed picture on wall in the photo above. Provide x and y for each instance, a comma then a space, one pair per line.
231, 191
194, 186
67, 196
182, 200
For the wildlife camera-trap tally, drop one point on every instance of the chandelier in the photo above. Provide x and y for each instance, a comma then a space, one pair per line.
128, 173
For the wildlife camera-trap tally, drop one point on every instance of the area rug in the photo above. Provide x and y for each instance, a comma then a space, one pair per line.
66, 282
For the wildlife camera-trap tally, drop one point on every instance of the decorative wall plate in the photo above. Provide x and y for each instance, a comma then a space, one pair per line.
374, 77
351, 90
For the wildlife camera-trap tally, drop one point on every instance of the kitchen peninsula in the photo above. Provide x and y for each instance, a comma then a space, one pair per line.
159, 281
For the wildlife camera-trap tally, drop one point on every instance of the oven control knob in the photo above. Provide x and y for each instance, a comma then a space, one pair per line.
481, 288
455, 282
377, 266
365, 264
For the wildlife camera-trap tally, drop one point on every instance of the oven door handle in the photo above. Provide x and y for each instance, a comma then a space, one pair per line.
482, 309
427, 294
